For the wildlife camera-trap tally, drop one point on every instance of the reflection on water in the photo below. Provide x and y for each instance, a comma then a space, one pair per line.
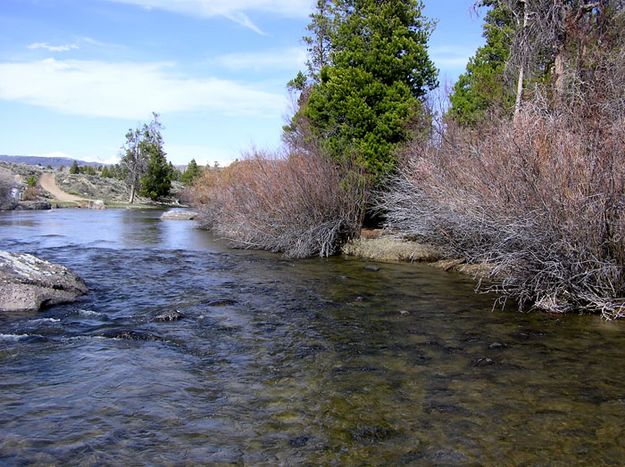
284, 362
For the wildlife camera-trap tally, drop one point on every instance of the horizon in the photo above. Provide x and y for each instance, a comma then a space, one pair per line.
79, 74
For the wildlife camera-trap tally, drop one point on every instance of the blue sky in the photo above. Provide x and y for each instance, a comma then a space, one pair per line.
76, 74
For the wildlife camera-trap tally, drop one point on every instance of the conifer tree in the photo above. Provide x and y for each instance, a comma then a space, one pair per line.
370, 70
191, 173
156, 182
484, 85
74, 169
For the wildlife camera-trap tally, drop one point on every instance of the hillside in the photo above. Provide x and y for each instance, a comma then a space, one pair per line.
54, 162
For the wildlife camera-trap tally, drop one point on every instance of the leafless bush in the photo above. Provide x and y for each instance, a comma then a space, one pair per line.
299, 205
541, 198
31, 193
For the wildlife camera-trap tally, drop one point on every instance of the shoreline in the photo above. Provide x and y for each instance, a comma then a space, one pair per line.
377, 245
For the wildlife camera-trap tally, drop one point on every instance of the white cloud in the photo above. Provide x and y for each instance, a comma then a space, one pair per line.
53, 48
129, 90
235, 10
280, 59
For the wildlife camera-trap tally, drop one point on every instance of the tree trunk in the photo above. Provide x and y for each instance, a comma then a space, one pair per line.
558, 70
132, 194
519, 91
521, 79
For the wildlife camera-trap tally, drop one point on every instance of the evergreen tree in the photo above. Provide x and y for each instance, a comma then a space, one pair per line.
484, 85
88, 170
534, 42
74, 169
144, 164
191, 173
369, 90
156, 181
319, 42
176, 174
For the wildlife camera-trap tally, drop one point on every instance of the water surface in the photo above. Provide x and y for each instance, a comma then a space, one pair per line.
288, 362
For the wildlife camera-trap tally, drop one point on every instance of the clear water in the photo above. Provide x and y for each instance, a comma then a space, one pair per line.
288, 362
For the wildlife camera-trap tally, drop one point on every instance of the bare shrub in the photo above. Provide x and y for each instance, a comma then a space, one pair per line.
541, 198
299, 205
30, 194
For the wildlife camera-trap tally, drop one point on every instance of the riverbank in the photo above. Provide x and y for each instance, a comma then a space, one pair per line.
384, 247
387, 248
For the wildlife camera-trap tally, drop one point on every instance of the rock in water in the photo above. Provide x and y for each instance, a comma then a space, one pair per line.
170, 315
97, 204
27, 283
179, 215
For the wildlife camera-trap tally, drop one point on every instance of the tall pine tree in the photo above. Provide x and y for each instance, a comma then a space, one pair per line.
156, 182
366, 94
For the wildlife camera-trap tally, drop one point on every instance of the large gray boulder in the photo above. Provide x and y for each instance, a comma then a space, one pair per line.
27, 283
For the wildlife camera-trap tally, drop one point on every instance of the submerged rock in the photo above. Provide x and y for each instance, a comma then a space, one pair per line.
222, 302
299, 441
131, 335
497, 346
372, 268
27, 283
170, 315
483, 361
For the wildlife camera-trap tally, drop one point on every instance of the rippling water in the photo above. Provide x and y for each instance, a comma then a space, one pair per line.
288, 362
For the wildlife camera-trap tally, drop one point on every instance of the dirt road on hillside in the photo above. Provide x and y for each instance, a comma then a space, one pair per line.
48, 183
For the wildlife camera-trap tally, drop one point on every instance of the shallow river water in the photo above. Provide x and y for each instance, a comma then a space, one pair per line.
288, 362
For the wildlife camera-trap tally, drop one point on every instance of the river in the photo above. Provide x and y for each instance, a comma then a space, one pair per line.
288, 362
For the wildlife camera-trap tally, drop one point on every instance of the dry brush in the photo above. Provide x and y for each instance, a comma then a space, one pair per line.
299, 205
541, 198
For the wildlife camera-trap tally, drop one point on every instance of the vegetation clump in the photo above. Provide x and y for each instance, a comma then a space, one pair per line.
299, 205
144, 163
368, 73
539, 195
191, 173
524, 171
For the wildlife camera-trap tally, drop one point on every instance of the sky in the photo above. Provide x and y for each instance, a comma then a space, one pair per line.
75, 75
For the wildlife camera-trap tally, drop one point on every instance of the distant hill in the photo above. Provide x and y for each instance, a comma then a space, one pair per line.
54, 162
